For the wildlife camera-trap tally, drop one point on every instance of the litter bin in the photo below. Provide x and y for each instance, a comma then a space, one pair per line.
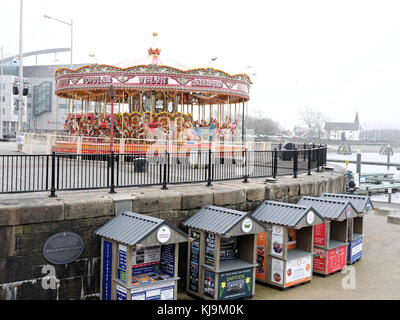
140, 164
287, 153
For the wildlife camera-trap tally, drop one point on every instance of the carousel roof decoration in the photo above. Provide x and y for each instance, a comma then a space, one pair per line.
154, 51
206, 84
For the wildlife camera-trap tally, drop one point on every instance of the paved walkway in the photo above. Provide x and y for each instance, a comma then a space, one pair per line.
377, 274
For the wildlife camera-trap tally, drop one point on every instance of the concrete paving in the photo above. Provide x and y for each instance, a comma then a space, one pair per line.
377, 274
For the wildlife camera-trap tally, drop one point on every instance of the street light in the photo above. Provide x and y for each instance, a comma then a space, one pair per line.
20, 71
67, 23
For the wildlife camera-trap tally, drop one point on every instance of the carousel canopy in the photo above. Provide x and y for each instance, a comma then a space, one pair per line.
205, 85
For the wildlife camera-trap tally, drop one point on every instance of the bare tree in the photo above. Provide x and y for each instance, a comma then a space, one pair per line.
262, 124
314, 121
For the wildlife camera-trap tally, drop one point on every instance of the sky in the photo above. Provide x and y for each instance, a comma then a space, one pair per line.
338, 57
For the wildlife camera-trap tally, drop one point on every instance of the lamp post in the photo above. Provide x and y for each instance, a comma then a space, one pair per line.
243, 109
68, 24
21, 70
112, 92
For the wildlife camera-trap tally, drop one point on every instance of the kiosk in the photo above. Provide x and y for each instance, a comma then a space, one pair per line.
139, 257
222, 253
362, 204
284, 252
330, 237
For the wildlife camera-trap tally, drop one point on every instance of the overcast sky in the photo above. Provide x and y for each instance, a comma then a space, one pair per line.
335, 56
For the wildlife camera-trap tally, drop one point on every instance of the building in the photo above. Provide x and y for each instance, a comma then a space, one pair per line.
43, 111
344, 130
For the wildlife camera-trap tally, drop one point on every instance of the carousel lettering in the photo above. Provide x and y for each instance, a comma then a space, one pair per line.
153, 80
99, 79
207, 83
62, 82
242, 88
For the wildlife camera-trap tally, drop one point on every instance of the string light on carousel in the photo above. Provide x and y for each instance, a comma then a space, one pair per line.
152, 101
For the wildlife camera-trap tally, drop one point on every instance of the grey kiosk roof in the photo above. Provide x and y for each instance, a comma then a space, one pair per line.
217, 220
131, 228
358, 202
282, 213
329, 209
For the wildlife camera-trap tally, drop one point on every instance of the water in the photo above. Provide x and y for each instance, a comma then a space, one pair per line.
369, 156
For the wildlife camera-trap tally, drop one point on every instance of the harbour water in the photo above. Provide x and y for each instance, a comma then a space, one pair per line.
376, 157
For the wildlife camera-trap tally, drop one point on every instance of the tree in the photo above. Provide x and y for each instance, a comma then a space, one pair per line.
262, 124
314, 121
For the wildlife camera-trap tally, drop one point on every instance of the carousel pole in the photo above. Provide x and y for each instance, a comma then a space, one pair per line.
113, 94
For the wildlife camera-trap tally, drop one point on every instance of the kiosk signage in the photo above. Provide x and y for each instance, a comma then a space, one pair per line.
331, 237
290, 238
222, 258
261, 253
235, 284
146, 262
355, 230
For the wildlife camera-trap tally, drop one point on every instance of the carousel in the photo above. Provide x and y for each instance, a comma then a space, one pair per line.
151, 103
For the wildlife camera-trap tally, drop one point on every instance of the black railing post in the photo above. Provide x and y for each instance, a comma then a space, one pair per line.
318, 158
314, 152
295, 163
112, 185
322, 160
245, 166
164, 183
53, 175
309, 162
304, 152
275, 164
209, 184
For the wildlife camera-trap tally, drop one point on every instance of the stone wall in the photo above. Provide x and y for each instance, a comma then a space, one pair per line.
26, 222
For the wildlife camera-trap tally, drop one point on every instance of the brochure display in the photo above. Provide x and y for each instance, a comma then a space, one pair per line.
285, 251
363, 205
332, 236
139, 258
222, 253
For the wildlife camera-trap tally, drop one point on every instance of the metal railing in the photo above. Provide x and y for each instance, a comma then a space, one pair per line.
34, 143
61, 172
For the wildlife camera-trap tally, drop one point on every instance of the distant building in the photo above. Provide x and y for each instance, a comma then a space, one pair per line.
43, 111
343, 130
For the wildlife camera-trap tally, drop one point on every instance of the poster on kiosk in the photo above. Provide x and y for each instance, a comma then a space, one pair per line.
284, 252
363, 205
331, 237
139, 258
222, 254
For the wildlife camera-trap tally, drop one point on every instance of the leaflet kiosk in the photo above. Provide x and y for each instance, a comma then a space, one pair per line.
330, 238
222, 255
139, 257
284, 252
362, 204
